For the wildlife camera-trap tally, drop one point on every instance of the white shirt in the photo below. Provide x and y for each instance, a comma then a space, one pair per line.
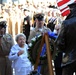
19, 61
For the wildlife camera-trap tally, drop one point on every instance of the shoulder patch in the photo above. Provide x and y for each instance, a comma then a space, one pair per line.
7, 38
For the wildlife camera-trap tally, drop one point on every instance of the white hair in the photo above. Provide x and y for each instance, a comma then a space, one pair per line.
18, 35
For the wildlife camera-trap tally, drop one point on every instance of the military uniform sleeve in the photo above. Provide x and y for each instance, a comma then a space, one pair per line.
7, 43
32, 34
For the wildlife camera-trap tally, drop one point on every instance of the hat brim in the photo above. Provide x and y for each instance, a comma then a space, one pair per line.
40, 19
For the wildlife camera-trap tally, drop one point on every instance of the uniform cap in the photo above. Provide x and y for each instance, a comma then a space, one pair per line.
40, 16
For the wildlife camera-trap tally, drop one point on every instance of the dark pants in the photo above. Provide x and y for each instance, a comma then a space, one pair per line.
57, 64
69, 69
5, 66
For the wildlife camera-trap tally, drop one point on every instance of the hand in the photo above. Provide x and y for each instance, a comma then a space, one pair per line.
20, 52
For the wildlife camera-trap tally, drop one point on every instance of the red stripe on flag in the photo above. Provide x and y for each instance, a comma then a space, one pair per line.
64, 9
65, 12
62, 2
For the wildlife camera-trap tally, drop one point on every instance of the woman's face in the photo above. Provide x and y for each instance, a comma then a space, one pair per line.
21, 41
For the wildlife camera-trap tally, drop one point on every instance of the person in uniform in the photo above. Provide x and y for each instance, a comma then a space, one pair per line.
26, 24
66, 42
19, 56
40, 29
6, 42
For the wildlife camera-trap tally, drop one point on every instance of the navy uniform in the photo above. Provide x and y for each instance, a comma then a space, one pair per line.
6, 43
40, 29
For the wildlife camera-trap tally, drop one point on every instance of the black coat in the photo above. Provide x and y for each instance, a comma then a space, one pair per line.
66, 41
26, 26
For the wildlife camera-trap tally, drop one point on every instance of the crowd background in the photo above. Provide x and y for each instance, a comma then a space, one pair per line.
13, 13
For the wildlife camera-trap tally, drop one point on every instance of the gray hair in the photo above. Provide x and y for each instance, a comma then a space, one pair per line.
18, 35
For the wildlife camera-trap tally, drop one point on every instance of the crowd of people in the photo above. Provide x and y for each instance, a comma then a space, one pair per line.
13, 13
22, 22
22, 18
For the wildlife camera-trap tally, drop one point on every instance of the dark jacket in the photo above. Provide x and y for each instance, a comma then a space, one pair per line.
66, 41
26, 26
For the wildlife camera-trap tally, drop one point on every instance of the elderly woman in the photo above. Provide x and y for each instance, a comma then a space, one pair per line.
19, 56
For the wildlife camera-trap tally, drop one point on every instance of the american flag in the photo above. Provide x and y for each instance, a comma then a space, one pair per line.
63, 6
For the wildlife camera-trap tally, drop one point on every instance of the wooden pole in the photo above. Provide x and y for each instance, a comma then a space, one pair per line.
49, 56
38, 57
